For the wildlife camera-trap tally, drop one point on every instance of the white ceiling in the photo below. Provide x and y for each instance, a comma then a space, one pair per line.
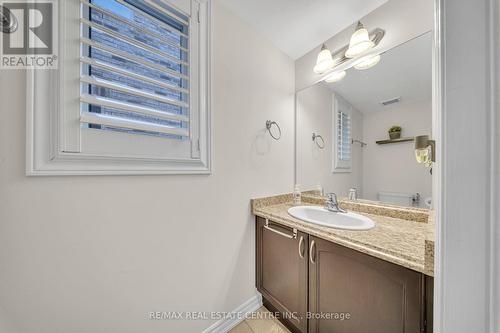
404, 71
298, 26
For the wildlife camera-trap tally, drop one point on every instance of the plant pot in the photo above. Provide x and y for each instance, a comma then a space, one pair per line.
394, 135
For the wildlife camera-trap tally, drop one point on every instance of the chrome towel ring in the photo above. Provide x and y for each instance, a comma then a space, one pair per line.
269, 125
318, 140
7, 20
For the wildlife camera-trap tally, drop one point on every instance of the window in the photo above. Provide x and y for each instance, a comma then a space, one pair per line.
342, 135
134, 70
133, 90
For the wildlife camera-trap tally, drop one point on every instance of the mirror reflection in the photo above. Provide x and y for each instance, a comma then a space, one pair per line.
355, 136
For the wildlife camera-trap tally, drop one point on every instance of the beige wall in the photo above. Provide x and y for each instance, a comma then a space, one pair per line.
314, 166
393, 167
95, 254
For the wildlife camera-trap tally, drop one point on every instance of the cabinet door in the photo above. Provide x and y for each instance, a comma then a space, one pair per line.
380, 297
282, 272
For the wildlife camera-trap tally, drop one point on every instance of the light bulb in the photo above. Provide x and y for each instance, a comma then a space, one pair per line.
359, 43
324, 61
422, 155
425, 150
367, 62
335, 76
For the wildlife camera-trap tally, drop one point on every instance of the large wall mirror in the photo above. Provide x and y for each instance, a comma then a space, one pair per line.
343, 129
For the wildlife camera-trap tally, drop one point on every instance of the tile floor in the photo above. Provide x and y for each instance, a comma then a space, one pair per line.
262, 322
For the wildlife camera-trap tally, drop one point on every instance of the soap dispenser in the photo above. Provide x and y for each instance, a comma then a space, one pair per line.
319, 190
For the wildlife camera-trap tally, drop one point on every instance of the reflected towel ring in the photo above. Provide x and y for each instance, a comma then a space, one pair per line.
316, 139
7, 20
269, 125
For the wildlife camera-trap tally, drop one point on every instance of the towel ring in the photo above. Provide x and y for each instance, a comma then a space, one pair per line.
316, 139
8, 21
269, 125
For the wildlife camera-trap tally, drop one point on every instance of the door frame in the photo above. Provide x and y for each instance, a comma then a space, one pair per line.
437, 133
466, 260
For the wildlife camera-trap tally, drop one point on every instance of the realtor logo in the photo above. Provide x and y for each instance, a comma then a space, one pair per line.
33, 41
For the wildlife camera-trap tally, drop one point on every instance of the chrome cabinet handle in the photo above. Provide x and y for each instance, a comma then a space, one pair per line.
301, 248
292, 236
313, 245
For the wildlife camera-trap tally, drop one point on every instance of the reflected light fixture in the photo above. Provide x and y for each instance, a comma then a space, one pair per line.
335, 76
367, 62
425, 150
360, 42
324, 61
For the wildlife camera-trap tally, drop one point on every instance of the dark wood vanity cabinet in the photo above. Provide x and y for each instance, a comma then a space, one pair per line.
378, 296
334, 289
282, 271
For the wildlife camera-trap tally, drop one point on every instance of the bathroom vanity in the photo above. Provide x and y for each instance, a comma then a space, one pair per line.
320, 279
369, 270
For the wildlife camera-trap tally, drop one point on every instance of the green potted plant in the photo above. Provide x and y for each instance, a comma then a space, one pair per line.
395, 132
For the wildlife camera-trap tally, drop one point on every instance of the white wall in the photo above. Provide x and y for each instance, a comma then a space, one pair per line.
393, 167
96, 254
314, 165
401, 19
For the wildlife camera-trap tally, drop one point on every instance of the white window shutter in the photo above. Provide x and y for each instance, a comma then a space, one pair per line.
341, 124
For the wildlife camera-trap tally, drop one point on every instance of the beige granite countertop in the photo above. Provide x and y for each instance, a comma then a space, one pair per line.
400, 241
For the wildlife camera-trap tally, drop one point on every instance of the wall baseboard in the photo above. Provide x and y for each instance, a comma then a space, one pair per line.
225, 325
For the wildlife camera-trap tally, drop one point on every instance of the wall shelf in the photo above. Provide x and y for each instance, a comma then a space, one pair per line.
384, 142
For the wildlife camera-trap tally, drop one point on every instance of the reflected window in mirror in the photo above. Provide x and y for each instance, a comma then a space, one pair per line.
342, 127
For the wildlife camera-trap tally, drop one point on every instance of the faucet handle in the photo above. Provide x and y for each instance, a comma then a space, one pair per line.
332, 204
332, 197
353, 194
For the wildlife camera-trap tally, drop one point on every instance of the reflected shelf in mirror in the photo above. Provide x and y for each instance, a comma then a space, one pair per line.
383, 142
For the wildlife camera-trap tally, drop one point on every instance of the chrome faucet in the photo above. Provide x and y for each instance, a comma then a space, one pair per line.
332, 204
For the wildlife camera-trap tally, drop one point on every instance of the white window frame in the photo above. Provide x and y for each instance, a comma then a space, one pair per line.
53, 111
340, 105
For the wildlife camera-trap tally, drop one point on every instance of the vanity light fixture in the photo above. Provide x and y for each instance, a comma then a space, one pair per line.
360, 42
425, 150
367, 62
352, 54
335, 76
324, 61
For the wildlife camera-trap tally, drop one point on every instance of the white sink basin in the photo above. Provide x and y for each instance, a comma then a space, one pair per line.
323, 217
